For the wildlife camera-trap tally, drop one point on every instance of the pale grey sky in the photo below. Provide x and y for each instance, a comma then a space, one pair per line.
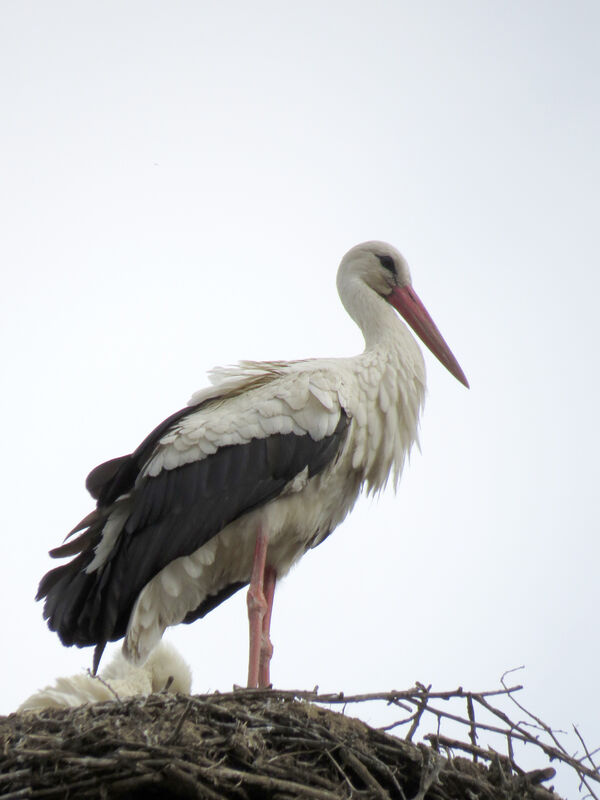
179, 183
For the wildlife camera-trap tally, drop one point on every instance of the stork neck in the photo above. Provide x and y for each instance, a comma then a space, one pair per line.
380, 324
389, 385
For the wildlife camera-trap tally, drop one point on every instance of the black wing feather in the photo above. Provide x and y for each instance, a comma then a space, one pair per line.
115, 477
170, 515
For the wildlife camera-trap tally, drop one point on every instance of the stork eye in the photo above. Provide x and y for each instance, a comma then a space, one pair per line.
388, 263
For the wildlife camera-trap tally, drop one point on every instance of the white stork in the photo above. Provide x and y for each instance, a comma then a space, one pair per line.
233, 489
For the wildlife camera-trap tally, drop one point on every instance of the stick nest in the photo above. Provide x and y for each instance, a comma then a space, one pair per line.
246, 744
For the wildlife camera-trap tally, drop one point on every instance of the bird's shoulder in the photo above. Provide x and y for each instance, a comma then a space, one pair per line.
253, 400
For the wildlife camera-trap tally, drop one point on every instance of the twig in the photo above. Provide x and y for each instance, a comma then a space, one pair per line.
588, 755
430, 772
363, 773
472, 727
421, 706
175, 735
456, 744
105, 684
339, 697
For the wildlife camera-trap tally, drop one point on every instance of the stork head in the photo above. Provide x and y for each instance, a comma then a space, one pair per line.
385, 271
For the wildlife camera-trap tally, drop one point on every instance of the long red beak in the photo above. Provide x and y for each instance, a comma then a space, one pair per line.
406, 301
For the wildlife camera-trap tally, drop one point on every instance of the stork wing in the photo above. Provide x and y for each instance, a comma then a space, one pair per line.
144, 520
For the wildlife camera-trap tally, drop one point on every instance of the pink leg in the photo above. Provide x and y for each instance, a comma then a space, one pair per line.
266, 649
257, 606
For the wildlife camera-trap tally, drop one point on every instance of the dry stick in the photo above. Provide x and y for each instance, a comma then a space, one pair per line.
523, 735
270, 783
456, 744
340, 770
430, 771
179, 778
390, 776
509, 747
396, 703
536, 776
26, 792
306, 775
59, 792
363, 772
481, 790
11, 776
397, 724
175, 735
437, 740
542, 725
588, 787
105, 684
472, 728
421, 707
437, 712
588, 755
340, 697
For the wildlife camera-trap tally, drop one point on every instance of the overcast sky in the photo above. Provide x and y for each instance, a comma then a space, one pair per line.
179, 183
